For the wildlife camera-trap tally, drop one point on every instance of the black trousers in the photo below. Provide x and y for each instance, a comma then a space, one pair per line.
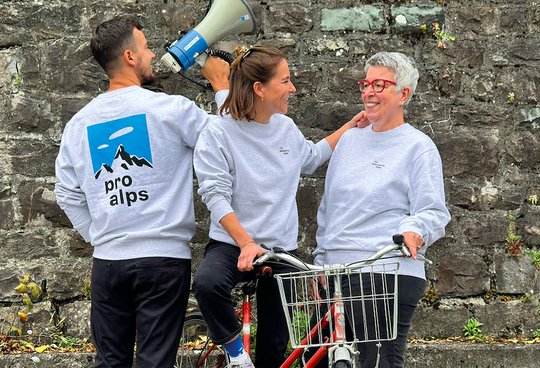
141, 299
217, 275
392, 353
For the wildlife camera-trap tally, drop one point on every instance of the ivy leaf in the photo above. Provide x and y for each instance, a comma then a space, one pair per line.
21, 288
25, 279
42, 348
27, 301
15, 331
35, 290
22, 316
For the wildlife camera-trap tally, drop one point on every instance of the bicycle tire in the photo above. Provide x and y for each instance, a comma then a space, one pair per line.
342, 364
194, 342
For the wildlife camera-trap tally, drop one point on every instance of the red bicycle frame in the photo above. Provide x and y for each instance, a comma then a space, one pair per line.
336, 313
246, 323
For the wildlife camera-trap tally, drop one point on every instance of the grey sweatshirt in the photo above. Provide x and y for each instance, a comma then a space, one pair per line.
253, 170
377, 185
124, 173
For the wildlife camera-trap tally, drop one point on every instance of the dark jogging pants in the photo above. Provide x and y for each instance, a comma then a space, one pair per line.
217, 275
142, 300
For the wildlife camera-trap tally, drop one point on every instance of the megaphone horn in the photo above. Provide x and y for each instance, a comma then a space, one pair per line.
224, 18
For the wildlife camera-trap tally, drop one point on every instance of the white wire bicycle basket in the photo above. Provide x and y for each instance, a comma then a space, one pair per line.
369, 296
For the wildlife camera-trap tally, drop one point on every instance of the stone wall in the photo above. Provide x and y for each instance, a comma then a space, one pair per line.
478, 99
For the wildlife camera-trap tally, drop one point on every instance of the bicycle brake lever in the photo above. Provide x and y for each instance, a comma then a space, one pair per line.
263, 258
406, 252
399, 239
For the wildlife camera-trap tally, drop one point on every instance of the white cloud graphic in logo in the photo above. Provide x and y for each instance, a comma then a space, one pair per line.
121, 132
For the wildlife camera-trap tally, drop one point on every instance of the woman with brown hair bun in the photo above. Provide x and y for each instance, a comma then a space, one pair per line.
248, 163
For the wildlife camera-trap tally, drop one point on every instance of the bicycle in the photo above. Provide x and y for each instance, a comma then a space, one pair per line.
375, 287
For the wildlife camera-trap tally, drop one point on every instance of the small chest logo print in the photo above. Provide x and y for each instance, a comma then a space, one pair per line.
285, 151
378, 165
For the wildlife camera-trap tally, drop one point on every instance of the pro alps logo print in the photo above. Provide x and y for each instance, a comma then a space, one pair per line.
120, 151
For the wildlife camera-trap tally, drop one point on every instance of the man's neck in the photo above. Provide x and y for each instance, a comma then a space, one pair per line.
122, 82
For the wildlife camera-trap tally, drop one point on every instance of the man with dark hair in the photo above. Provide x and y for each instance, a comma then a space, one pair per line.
125, 180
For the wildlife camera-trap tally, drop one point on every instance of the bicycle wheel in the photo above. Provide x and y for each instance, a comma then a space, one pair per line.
194, 343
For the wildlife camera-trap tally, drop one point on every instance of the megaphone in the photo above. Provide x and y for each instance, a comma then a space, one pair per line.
224, 18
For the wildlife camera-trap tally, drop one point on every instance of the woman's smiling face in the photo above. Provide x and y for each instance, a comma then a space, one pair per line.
384, 109
278, 89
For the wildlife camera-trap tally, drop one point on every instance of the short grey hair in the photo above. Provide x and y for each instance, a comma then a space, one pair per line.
403, 66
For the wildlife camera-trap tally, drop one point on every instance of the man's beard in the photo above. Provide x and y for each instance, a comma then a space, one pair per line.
148, 78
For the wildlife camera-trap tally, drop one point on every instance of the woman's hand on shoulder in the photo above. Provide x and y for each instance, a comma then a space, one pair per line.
360, 120
248, 253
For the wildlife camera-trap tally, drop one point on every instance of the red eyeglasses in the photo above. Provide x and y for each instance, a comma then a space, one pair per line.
378, 84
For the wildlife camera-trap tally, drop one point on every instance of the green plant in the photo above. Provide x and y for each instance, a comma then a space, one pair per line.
430, 297
513, 241
86, 288
30, 291
253, 336
536, 333
17, 80
533, 199
535, 257
441, 36
511, 97
526, 298
12, 338
68, 342
472, 329
300, 322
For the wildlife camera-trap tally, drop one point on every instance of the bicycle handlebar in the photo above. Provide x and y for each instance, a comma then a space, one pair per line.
278, 254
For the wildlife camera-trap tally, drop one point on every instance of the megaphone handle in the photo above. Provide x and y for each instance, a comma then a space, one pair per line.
201, 59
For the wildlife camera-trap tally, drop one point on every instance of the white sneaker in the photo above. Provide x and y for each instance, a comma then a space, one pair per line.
241, 365
242, 361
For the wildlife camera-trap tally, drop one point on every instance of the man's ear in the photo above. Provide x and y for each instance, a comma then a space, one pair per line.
128, 56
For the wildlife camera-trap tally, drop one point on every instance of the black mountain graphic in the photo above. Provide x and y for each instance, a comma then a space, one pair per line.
128, 159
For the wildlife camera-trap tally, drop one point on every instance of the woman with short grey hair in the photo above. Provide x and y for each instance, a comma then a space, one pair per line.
383, 180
